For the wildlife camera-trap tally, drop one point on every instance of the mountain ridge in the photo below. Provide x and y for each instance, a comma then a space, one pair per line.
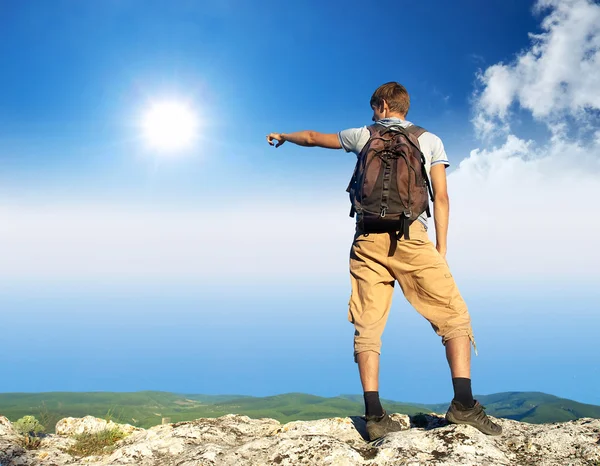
149, 408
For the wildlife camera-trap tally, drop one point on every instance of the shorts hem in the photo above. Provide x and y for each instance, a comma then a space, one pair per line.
458, 334
364, 350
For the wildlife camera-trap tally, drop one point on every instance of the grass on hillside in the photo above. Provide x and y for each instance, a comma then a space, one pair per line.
99, 443
147, 409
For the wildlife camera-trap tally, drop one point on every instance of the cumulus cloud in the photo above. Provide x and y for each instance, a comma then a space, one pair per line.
524, 213
555, 77
525, 208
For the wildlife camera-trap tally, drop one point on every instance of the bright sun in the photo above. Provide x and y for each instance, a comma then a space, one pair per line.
170, 126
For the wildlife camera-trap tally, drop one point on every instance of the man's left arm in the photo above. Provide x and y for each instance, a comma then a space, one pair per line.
441, 207
306, 139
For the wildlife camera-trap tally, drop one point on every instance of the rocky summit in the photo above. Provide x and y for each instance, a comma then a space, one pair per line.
234, 440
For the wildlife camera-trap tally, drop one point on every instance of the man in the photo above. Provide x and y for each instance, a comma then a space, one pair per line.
420, 269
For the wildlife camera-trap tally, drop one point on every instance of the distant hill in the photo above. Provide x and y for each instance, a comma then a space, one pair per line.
533, 407
142, 409
148, 408
538, 408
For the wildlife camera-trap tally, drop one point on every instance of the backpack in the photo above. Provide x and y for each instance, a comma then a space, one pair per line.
390, 187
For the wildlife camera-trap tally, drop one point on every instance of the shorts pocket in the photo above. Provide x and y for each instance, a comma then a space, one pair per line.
363, 238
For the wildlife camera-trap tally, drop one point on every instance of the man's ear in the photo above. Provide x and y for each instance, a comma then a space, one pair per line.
383, 106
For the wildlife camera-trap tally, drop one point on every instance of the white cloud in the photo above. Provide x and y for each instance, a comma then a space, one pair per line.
525, 209
557, 76
526, 213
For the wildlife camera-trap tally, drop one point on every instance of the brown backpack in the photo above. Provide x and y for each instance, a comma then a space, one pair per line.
390, 188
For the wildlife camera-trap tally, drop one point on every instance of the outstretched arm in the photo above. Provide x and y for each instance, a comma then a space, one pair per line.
441, 207
307, 139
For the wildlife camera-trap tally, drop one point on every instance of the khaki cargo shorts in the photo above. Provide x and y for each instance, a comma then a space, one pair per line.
423, 275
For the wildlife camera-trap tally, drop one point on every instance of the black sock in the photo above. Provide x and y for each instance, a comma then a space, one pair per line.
462, 392
372, 404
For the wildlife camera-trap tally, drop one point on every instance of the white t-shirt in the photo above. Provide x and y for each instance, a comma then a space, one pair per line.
354, 139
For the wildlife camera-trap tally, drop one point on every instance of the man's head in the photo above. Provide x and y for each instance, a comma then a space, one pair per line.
390, 100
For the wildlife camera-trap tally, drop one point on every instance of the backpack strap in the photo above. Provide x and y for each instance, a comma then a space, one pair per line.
396, 236
405, 227
373, 129
416, 130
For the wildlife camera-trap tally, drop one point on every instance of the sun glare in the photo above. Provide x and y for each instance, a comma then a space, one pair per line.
170, 126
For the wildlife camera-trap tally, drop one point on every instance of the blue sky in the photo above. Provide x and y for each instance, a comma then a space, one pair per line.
223, 268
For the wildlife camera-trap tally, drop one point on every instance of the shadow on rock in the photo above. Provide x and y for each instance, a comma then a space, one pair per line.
428, 421
360, 424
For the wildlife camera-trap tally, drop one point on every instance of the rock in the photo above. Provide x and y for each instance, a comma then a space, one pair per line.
9, 447
201, 441
240, 441
89, 425
6, 426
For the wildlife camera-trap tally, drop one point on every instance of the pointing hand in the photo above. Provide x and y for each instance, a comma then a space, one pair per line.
271, 138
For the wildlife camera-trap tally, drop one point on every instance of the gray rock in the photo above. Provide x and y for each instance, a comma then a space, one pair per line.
234, 440
89, 425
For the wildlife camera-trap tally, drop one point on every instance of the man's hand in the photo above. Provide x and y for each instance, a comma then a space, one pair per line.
271, 138
442, 252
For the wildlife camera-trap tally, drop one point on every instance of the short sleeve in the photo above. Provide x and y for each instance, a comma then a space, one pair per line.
433, 149
354, 139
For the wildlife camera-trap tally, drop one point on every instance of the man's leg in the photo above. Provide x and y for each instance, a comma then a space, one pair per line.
428, 285
372, 290
379, 423
458, 354
464, 409
368, 368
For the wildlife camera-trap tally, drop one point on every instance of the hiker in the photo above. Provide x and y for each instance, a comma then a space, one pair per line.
390, 192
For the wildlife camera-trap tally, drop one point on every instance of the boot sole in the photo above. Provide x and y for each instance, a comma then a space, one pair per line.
377, 432
450, 418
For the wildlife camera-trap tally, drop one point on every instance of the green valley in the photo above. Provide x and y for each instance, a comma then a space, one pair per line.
148, 408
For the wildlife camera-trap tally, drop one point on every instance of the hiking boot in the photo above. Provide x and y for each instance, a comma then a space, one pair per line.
379, 426
474, 416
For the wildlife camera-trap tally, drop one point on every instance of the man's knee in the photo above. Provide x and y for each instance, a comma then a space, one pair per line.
365, 350
465, 332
